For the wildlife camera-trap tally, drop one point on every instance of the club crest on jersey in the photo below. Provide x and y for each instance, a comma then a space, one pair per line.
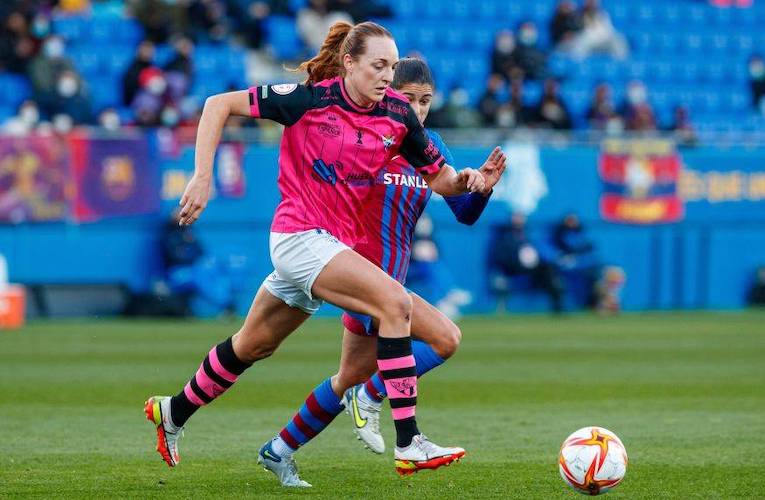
404, 386
388, 140
359, 136
284, 88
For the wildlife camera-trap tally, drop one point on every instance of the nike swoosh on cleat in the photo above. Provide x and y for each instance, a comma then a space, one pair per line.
357, 420
270, 456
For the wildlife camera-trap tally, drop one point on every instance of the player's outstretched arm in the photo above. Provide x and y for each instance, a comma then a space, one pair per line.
467, 208
216, 111
493, 168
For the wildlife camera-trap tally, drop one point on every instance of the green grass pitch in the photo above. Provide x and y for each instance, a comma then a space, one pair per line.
684, 391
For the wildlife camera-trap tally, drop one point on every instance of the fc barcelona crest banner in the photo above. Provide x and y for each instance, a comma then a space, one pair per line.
113, 177
640, 182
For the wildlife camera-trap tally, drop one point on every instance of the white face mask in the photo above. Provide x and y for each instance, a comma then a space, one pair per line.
636, 94
157, 85
67, 86
505, 44
110, 121
424, 227
757, 70
170, 117
62, 123
29, 115
528, 36
54, 48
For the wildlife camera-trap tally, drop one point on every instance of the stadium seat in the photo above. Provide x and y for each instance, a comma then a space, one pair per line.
13, 90
283, 37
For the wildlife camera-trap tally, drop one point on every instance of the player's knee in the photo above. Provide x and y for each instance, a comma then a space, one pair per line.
448, 341
397, 304
349, 376
250, 351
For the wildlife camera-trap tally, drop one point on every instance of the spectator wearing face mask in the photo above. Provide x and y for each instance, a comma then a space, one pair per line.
515, 113
143, 59
502, 56
602, 114
637, 111
757, 81
527, 55
26, 119
109, 120
598, 35
551, 112
682, 128
565, 24
45, 69
69, 100
151, 98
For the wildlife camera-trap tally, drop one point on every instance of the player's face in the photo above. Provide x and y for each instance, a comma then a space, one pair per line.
371, 74
420, 97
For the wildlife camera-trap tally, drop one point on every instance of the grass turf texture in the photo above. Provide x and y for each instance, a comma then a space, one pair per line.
685, 392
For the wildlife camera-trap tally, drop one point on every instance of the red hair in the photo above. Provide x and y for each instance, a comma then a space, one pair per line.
343, 38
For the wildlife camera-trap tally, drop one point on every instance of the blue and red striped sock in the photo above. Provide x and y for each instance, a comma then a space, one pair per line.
319, 409
425, 358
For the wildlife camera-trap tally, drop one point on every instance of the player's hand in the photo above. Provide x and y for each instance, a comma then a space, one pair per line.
492, 169
194, 200
472, 180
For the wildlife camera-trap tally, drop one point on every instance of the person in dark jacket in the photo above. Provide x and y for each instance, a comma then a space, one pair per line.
512, 254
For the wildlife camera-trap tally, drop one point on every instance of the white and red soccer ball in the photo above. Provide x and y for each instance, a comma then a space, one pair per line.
592, 460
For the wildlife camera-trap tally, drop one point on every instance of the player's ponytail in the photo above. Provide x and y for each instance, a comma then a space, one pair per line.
343, 38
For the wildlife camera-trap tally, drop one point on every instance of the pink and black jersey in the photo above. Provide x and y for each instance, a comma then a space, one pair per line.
332, 151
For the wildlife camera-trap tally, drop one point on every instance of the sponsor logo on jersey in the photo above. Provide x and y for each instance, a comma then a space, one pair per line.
359, 179
329, 129
388, 140
395, 107
325, 172
284, 88
405, 180
431, 152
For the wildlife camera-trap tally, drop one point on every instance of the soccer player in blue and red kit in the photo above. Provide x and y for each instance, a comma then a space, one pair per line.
341, 127
396, 203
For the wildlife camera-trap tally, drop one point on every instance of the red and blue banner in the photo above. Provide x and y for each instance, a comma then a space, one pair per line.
34, 179
113, 177
640, 182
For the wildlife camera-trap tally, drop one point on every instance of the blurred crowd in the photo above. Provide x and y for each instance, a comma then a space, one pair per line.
161, 95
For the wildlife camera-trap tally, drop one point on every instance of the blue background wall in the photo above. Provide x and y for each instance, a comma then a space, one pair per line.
706, 261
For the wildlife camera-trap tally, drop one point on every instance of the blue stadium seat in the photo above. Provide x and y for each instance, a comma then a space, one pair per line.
13, 90
104, 93
86, 60
71, 28
283, 37
486, 11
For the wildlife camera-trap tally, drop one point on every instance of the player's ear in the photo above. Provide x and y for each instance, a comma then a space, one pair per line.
348, 63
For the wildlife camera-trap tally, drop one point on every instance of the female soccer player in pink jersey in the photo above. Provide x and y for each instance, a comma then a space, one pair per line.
397, 201
341, 127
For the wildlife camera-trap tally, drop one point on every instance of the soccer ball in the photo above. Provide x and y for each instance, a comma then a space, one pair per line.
592, 460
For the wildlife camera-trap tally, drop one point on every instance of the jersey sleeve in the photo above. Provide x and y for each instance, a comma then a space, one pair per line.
284, 103
441, 145
418, 148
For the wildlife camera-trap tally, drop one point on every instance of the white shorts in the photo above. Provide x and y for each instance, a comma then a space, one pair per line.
298, 258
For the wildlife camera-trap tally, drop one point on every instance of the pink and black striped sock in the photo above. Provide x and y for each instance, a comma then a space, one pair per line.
398, 371
219, 370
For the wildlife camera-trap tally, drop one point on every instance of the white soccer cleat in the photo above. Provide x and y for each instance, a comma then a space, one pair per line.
424, 454
285, 469
157, 410
365, 416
